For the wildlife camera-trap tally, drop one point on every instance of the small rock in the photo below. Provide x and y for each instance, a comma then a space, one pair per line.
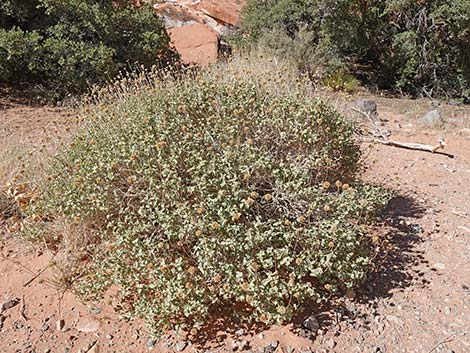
274, 344
150, 343
268, 349
369, 107
109, 337
331, 343
447, 310
9, 304
240, 332
311, 324
2, 320
94, 310
261, 335
439, 266
88, 325
45, 326
180, 346
290, 349
242, 344
60, 325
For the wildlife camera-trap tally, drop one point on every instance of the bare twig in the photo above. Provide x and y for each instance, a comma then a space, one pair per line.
36, 276
450, 338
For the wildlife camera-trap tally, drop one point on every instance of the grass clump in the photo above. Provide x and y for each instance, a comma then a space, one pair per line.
215, 192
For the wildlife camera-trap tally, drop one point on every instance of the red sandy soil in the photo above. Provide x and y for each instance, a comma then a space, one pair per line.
418, 301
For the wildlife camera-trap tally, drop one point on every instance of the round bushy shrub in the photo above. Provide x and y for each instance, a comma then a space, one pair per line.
211, 193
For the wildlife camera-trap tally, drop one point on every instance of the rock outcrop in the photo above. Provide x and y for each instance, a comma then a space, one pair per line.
194, 26
226, 12
196, 43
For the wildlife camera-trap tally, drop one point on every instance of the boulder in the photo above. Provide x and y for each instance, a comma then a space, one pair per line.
196, 43
367, 106
176, 16
225, 11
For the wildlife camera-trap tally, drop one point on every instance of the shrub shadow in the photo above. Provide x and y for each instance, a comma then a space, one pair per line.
393, 265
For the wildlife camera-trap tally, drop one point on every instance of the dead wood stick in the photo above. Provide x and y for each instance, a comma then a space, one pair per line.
418, 146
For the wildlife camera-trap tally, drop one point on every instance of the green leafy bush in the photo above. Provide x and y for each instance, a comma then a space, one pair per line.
67, 46
211, 193
410, 46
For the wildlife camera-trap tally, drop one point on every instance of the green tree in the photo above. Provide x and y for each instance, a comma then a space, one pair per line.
409, 46
68, 45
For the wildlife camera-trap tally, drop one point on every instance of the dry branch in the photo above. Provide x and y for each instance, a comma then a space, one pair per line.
418, 147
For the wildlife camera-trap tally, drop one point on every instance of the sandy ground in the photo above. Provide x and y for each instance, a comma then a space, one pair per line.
418, 301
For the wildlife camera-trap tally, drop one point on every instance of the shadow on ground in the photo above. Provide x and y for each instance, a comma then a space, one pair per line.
393, 265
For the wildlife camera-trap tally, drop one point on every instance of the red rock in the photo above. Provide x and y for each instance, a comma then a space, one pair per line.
176, 16
196, 43
227, 11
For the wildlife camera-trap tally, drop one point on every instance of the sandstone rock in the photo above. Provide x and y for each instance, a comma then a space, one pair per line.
226, 11
176, 16
88, 325
196, 43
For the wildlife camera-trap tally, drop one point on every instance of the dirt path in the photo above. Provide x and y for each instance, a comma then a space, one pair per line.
419, 302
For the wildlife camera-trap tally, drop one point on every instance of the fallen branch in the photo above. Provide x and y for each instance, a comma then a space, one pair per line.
418, 147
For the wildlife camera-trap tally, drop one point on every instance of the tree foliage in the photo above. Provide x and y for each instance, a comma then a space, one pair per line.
409, 46
67, 45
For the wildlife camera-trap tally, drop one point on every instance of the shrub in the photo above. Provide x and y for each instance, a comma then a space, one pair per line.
410, 46
341, 81
212, 193
67, 46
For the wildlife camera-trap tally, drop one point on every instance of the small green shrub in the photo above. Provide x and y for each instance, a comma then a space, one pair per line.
341, 81
67, 46
213, 193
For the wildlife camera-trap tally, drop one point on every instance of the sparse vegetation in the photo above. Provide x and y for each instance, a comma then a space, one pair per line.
210, 192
